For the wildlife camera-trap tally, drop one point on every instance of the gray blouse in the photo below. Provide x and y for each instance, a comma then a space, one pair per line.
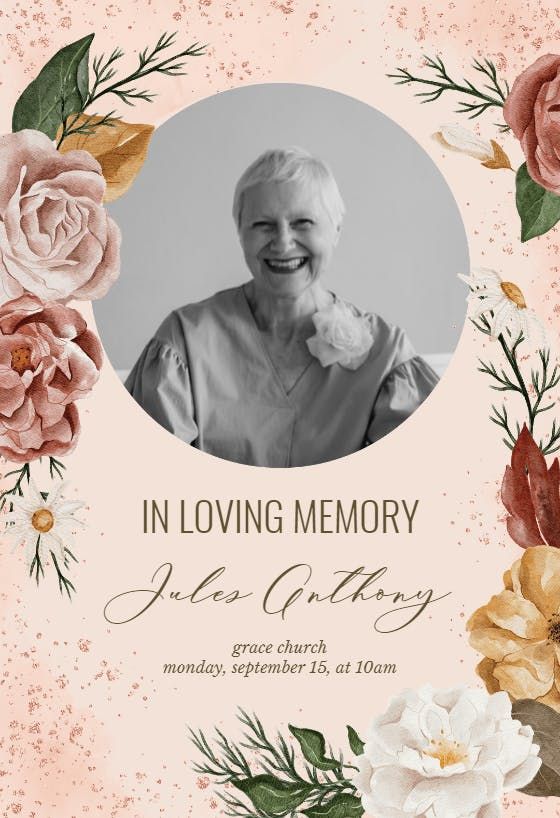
206, 376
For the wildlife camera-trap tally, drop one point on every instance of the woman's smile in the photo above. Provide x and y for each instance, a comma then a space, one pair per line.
286, 265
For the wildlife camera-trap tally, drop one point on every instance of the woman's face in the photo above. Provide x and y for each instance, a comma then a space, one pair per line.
287, 236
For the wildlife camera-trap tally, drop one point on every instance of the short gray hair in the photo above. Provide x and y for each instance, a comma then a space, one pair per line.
287, 165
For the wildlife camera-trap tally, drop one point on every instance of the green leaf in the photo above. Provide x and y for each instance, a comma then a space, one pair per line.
546, 782
355, 742
538, 208
341, 806
60, 89
271, 795
312, 745
546, 723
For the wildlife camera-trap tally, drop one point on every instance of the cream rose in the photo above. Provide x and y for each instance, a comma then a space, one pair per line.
56, 240
444, 754
341, 337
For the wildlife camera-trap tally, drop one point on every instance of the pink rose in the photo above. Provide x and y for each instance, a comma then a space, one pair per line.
56, 240
48, 360
532, 110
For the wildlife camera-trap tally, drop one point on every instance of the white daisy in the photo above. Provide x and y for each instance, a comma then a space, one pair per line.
48, 521
505, 301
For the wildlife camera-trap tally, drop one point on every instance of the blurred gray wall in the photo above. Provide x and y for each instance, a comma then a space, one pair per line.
402, 242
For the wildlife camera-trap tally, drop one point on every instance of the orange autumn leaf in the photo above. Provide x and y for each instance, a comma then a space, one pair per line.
119, 148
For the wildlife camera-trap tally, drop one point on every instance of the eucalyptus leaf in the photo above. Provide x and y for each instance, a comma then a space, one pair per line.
546, 723
538, 208
355, 742
60, 89
273, 796
312, 745
341, 806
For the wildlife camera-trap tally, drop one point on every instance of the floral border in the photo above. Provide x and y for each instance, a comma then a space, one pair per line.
447, 753
60, 164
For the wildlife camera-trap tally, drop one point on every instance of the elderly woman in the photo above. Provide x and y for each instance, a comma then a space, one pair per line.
280, 371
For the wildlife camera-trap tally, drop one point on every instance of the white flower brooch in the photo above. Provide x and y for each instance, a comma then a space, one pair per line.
341, 336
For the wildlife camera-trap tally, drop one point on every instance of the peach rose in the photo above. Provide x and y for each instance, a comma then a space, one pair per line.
518, 630
532, 110
48, 360
56, 240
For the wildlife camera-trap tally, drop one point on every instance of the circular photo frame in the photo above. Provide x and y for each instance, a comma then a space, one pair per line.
318, 318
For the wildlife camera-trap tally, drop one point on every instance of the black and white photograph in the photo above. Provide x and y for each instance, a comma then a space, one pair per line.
289, 292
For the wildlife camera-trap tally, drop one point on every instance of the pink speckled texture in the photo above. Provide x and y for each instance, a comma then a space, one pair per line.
87, 724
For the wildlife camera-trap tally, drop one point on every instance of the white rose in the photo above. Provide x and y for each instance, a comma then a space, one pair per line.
341, 336
445, 754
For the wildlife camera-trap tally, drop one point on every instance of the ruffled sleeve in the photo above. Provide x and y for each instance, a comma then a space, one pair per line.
160, 384
401, 393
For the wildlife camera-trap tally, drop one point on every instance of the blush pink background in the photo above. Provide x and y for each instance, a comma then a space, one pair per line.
89, 727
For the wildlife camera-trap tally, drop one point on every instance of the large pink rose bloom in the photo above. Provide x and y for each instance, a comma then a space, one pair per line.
48, 360
532, 110
56, 239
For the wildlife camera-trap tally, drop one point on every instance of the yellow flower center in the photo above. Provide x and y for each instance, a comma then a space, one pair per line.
42, 520
21, 359
554, 629
514, 294
447, 752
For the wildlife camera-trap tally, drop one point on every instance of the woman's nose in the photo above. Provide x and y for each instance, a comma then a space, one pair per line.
283, 237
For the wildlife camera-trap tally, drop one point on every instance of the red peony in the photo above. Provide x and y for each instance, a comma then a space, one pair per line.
48, 360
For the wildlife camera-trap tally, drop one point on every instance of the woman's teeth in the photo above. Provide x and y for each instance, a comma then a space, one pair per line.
289, 265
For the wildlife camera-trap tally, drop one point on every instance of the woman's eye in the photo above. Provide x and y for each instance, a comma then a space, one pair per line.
262, 225
299, 223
